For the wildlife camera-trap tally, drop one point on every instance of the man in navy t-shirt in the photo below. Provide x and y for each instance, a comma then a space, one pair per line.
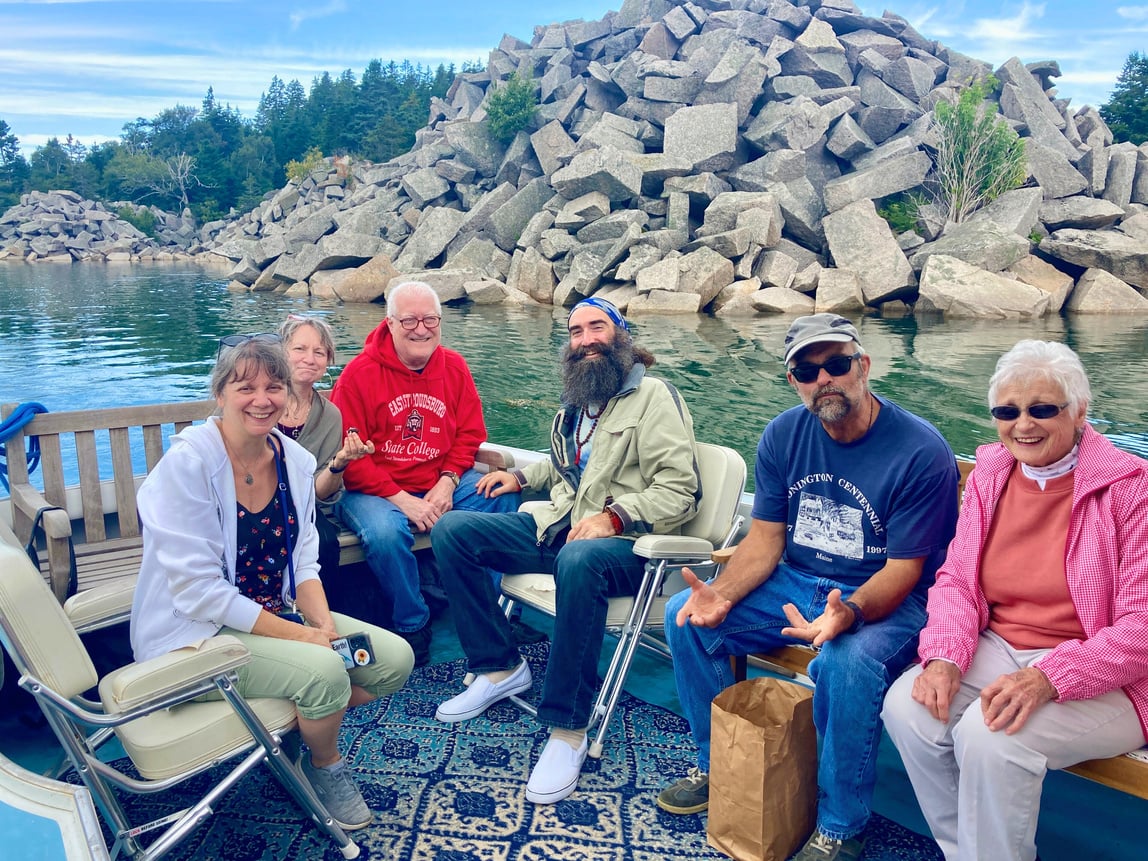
854, 507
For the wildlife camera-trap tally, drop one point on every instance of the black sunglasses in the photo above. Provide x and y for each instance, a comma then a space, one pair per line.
807, 372
1009, 413
237, 340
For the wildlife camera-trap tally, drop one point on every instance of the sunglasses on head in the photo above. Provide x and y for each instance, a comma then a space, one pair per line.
229, 341
1009, 413
808, 372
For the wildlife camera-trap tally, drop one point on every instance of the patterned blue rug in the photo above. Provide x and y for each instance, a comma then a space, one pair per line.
444, 792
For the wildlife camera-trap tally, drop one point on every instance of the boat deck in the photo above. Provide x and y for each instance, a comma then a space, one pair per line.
1079, 819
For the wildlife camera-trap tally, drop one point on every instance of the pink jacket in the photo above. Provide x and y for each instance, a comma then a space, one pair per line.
1106, 560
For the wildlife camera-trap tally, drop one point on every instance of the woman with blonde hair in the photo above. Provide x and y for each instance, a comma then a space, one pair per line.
317, 425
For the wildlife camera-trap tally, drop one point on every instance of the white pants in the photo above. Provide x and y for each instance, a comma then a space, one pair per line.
980, 790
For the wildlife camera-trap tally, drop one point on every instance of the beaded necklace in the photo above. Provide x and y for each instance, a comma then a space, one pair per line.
579, 440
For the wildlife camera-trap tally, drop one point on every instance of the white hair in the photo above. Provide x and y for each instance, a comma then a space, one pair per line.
411, 288
1046, 362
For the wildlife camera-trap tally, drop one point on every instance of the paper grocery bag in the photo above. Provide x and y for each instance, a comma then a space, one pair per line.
763, 770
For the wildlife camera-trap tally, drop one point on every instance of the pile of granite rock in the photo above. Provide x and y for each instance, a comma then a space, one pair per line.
719, 155
62, 227
728, 156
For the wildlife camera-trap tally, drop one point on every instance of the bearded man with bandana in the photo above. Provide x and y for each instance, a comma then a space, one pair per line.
622, 464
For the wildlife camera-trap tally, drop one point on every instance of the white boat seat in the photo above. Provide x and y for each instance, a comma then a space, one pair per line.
152, 707
101, 606
722, 472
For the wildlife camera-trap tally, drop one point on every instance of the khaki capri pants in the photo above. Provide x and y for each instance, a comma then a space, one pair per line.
316, 679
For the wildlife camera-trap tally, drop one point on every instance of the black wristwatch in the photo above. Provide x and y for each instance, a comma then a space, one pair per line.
858, 617
331, 467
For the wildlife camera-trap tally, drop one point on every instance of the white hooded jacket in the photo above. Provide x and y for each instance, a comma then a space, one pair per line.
187, 505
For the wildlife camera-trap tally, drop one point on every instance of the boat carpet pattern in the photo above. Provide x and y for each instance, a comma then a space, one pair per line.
455, 792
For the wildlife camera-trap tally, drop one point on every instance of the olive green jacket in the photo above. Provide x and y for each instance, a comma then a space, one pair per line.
643, 463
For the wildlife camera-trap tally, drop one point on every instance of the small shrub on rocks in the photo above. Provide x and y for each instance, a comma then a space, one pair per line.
978, 156
141, 219
510, 108
298, 170
902, 211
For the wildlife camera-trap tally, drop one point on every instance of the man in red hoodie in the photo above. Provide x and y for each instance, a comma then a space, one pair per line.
416, 401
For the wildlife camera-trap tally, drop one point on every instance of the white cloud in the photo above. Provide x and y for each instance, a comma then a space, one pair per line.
79, 105
1136, 13
1010, 30
332, 7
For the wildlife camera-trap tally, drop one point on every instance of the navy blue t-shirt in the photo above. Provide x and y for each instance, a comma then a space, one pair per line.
848, 507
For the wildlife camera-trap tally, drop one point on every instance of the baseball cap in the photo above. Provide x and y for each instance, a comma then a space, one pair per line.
817, 329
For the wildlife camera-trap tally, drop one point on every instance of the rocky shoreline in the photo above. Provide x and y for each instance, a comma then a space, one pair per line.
62, 227
724, 156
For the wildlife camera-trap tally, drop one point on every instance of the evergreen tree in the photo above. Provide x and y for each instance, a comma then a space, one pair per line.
13, 168
211, 159
50, 166
1126, 111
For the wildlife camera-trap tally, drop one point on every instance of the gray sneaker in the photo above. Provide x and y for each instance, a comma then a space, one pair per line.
337, 791
691, 794
819, 847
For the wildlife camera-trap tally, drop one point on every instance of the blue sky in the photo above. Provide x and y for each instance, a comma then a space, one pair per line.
86, 67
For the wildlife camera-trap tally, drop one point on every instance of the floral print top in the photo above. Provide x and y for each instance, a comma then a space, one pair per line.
263, 547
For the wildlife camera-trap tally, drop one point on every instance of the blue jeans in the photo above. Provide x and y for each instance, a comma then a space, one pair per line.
388, 544
586, 573
851, 673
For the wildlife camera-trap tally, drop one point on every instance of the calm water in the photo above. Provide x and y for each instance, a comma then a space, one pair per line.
91, 336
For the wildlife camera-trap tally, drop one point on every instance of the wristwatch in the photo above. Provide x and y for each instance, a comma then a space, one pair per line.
858, 617
453, 476
331, 467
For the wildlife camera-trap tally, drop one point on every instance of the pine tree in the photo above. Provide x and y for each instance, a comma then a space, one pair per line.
1127, 109
13, 168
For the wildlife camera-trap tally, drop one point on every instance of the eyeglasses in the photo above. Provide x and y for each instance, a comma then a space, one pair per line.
238, 340
808, 372
431, 321
1009, 413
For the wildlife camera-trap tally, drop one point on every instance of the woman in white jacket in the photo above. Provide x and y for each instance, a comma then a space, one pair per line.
230, 546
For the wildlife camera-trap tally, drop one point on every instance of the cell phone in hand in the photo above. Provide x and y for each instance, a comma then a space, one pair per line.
355, 650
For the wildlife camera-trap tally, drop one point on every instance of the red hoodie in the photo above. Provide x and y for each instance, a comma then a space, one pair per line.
421, 422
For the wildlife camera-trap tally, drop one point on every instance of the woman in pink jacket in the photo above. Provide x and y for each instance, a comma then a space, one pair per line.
1035, 653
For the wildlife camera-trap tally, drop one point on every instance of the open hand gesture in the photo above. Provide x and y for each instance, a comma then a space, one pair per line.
835, 619
706, 607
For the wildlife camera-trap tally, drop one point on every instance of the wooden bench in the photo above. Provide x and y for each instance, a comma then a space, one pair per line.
1128, 773
99, 513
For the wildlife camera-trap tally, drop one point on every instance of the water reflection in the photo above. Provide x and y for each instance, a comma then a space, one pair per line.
89, 336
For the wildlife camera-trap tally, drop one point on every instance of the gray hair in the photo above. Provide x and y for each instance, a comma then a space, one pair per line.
245, 361
1042, 362
294, 322
411, 288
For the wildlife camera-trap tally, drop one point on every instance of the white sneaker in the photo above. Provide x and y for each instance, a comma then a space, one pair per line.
482, 694
556, 774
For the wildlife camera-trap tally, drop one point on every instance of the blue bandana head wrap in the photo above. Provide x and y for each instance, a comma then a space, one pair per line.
608, 307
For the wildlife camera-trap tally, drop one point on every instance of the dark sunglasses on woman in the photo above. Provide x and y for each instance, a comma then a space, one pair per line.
1009, 413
